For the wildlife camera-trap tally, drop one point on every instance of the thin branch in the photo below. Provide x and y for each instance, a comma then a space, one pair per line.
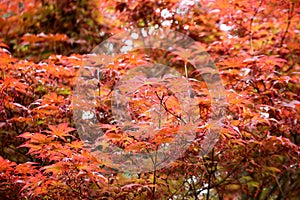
194, 188
290, 16
177, 190
154, 174
210, 172
167, 110
251, 22
234, 169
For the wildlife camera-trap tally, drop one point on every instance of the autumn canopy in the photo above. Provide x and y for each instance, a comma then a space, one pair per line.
150, 99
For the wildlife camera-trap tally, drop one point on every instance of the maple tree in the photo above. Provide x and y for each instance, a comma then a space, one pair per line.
43, 59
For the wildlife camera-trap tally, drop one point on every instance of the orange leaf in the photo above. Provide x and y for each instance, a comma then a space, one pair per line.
36, 138
60, 131
137, 146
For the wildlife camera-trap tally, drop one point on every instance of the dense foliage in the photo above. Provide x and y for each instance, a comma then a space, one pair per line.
255, 46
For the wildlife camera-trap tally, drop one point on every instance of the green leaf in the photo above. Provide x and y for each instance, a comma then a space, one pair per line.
273, 169
253, 184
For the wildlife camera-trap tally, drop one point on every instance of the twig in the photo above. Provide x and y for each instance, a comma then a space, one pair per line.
251, 22
290, 16
167, 110
210, 174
